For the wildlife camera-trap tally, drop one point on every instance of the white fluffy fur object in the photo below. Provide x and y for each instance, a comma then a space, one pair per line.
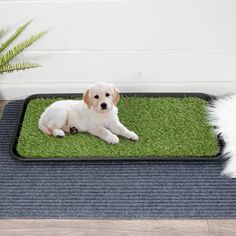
222, 114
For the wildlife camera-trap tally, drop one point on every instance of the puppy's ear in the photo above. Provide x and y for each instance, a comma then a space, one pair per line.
116, 96
86, 98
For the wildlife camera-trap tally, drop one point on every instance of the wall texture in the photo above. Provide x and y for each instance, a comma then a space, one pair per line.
149, 45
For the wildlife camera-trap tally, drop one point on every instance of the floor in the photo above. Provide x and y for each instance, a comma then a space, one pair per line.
69, 227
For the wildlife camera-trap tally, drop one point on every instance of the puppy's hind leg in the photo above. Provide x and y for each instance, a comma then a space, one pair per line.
58, 133
57, 122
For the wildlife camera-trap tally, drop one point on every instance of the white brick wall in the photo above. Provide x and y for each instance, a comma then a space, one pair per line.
149, 45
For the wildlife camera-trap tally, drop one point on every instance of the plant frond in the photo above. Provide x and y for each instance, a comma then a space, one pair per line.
14, 36
18, 66
9, 55
1, 32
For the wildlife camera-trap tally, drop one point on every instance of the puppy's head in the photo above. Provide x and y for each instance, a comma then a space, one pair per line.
101, 96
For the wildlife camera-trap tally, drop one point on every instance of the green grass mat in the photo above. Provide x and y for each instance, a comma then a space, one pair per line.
167, 127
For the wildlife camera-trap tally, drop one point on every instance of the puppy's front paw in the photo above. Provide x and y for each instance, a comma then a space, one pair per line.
132, 136
113, 139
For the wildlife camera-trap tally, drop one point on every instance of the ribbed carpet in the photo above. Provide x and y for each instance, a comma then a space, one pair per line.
110, 190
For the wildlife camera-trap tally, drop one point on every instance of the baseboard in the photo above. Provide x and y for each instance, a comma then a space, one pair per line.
11, 91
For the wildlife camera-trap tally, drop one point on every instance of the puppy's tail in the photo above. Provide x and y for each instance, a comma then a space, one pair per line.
43, 128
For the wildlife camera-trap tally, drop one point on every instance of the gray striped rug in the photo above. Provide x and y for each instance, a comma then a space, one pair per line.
110, 190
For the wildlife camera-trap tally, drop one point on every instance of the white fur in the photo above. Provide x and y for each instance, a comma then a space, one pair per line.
222, 114
87, 115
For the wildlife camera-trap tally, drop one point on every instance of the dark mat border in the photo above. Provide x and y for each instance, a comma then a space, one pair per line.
16, 156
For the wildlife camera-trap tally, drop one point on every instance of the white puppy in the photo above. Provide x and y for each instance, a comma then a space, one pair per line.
96, 113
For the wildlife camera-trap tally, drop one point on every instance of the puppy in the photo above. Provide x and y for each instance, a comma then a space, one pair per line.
96, 114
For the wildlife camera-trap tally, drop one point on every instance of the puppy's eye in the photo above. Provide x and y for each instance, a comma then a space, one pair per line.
96, 96
107, 94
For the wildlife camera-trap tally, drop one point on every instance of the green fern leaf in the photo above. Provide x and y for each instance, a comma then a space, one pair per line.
18, 66
14, 36
1, 32
9, 55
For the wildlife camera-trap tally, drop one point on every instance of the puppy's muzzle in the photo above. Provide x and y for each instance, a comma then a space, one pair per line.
104, 106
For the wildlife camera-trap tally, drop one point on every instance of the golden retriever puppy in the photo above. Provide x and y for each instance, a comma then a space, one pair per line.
96, 113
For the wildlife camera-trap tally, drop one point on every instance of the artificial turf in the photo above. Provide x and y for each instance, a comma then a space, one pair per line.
167, 127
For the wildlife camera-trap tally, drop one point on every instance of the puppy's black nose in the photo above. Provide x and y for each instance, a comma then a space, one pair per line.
104, 106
